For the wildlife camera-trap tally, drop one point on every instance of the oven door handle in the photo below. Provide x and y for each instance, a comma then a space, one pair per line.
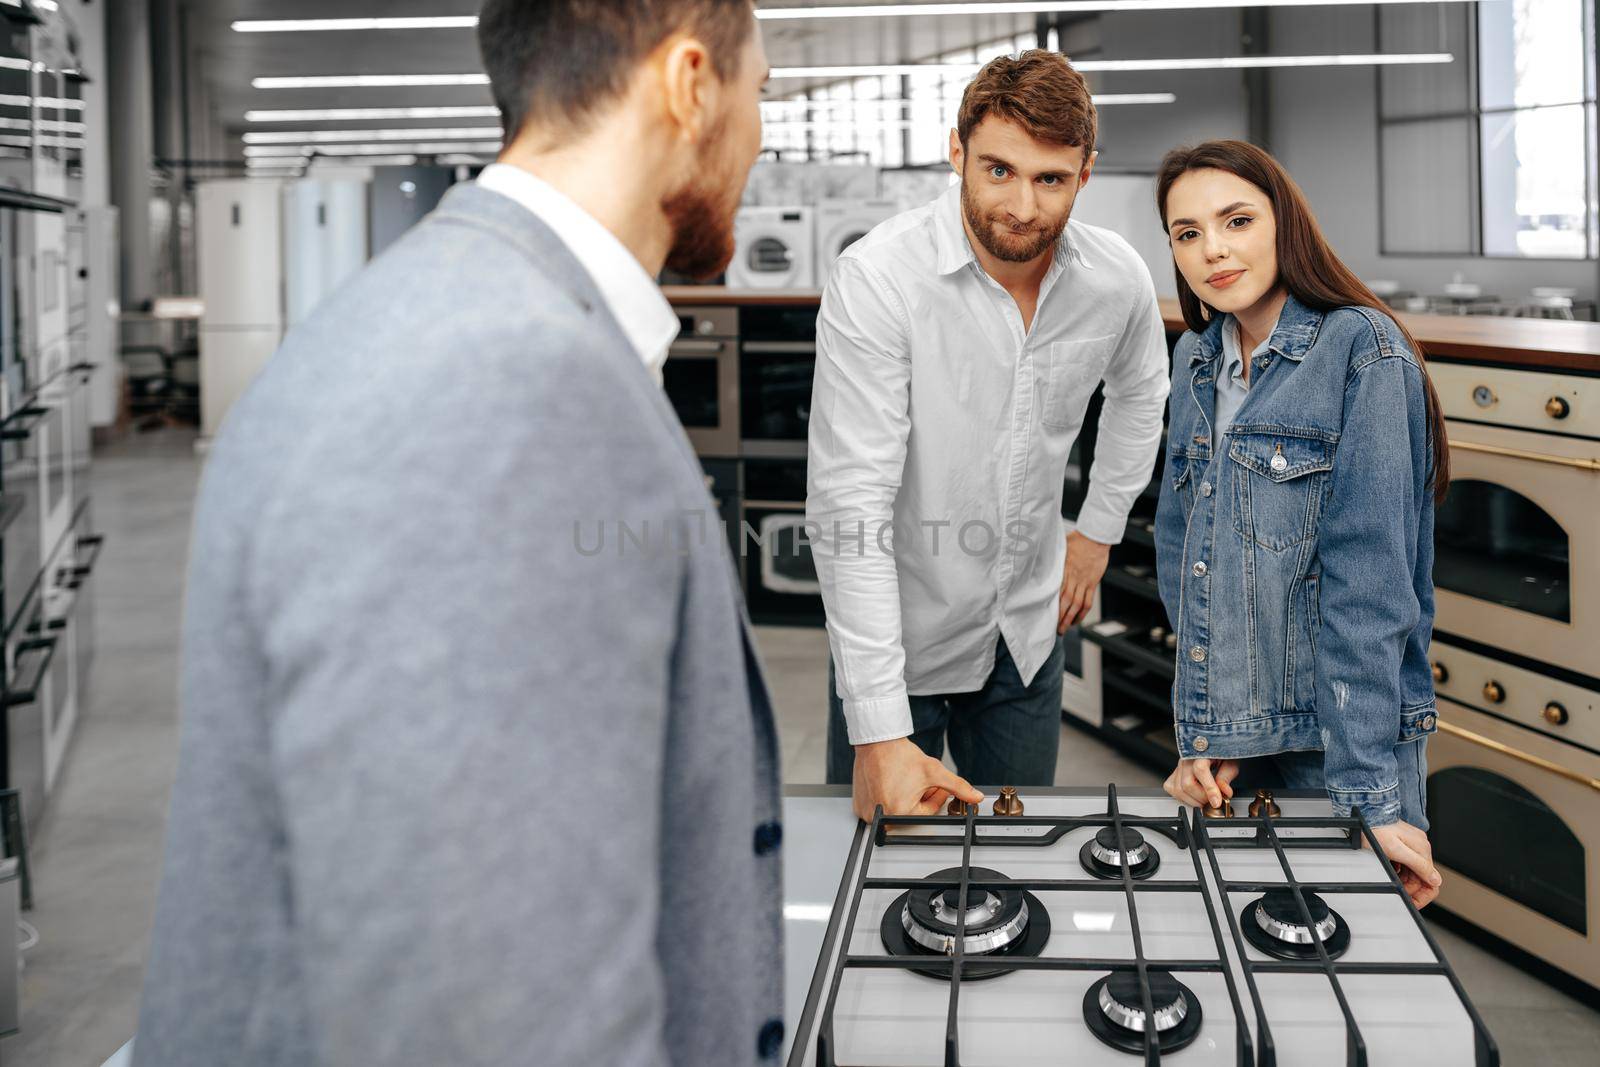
81, 572
697, 348
781, 348
17, 429
1588, 464
1517, 754
29, 693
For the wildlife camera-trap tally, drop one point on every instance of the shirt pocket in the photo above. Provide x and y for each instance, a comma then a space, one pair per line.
1279, 482
1073, 369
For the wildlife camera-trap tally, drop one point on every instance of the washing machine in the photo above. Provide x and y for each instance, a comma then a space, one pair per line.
841, 223
774, 248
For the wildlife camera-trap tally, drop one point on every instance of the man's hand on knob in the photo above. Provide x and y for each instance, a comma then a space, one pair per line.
905, 780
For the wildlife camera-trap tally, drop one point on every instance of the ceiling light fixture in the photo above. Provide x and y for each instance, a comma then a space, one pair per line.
342, 114
1042, 7
12, 100
900, 104
437, 22
324, 136
367, 81
1091, 65
429, 149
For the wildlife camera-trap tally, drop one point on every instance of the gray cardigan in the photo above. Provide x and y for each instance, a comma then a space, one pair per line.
455, 787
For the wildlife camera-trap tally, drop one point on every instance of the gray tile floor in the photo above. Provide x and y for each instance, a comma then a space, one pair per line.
97, 854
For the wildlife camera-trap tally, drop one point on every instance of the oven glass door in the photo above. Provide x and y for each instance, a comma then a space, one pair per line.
701, 382
781, 586
1517, 565
775, 386
1512, 820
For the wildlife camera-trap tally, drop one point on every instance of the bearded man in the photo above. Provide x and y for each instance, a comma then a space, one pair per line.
958, 346
454, 787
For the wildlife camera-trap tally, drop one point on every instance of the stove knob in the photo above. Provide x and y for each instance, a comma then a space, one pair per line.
1223, 812
959, 807
1008, 803
1440, 674
1557, 407
1493, 693
1555, 714
1264, 803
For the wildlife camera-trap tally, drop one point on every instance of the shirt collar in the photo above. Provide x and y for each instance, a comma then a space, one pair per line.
1293, 336
632, 296
954, 250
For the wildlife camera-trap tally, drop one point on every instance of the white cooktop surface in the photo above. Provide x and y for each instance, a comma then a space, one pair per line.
895, 1018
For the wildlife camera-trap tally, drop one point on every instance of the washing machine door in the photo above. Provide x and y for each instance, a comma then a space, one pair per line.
770, 260
848, 234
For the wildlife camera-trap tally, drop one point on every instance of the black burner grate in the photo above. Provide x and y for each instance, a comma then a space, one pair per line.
1346, 833
1177, 828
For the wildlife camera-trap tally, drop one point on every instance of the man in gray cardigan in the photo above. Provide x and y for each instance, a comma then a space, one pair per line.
465, 778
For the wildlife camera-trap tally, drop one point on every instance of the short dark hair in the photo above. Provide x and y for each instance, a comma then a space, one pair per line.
1040, 91
558, 61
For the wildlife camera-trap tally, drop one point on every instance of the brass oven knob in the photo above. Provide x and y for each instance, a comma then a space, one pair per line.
1493, 693
1264, 803
1008, 803
1557, 407
1440, 674
1223, 812
1555, 714
960, 807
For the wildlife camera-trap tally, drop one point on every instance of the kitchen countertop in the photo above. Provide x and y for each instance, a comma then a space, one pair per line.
1546, 343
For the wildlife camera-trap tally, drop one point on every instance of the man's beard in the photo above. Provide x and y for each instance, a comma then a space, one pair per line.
701, 215
1012, 248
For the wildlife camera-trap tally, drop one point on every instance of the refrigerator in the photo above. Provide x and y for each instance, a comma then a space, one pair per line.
239, 239
324, 240
401, 196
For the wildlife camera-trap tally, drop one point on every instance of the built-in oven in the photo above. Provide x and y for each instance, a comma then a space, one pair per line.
701, 378
21, 435
1514, 802
780, 574
30, 654
1517, 561
722, 482
777, 363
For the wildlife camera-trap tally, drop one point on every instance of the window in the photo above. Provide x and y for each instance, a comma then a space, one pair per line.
1495, 154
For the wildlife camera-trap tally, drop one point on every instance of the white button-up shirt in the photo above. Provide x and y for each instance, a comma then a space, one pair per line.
940, 430
633, 297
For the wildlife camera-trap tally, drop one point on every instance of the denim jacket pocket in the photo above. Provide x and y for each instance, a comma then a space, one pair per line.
1074, 369
1279, 481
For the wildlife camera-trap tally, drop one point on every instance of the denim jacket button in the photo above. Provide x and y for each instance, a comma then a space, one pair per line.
1197, 654
1201, 744
1200, 569
1278, 463
1428, 721
1205, 488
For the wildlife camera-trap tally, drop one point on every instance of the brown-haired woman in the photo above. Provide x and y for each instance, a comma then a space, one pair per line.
1294, 537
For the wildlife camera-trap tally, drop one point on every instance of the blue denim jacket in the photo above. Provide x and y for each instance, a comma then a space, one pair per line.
1296, 564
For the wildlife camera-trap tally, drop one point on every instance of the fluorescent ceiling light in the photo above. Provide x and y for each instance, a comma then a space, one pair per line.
12, 100
44, 124
900, 104
366, 81
323, 136
1091, 65
439, 22
341, 114
1043, 7
433, 148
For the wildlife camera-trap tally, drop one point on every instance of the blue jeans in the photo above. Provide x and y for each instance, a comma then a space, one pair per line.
1303, 770
1006, 733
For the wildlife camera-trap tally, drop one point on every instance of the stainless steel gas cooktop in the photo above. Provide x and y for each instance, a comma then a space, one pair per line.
1103, 928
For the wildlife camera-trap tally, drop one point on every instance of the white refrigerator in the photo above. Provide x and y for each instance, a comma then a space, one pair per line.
324, 240
239, 234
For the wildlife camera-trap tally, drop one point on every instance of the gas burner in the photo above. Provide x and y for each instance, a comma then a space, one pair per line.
1101, 855
1114, 1009
1272, 924
1000, 922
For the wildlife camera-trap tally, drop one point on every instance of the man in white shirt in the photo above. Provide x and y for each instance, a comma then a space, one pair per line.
958, 346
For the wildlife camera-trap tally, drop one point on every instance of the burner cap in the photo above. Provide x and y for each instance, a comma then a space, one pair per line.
1123, 1004
999, 923
1113, 1007
1102, 855
1272, 923
995, 918
1279, 916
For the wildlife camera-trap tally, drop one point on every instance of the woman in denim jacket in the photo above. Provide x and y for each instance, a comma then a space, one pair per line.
1294, 537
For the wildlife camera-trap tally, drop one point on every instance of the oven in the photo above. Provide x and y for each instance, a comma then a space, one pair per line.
58, 618
780, 575
1517, 562
701, 378
30, 654
21, 435
1516, 762
777, 362
55, 447
722, 482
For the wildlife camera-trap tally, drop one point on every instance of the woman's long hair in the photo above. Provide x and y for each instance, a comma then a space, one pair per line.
1307, 265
